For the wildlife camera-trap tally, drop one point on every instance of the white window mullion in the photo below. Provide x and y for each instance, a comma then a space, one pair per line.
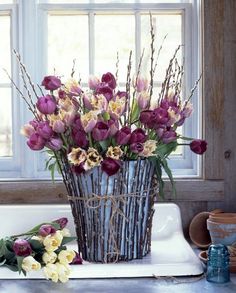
137, 38
91, 24
28, 50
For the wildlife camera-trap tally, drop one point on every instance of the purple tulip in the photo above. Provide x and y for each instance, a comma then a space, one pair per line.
161, 116
121, 94
104, 89
146, 117
168, 136
76, 123
138, 135
109, 79
101, 131
51, 83
136, 147
61, 94
44, 129
46, 104
46, 230
123, 135
78, 169
77, 259
62, 222
59, 126
34, 124
113, 126
36, 142
198, 146
143, 100
110, 166
80, 138
93, 82
142, 84
22, 247
54, 143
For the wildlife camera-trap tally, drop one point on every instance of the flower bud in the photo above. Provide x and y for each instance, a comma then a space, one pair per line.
88, 121
44, 129
21, 247
100, 131
141, 84
66, 256
27, 130
123, 135
110, 166
168, 136
143, 100
93, 82
46, 229
58, 126
36, 142
104, 89
138, 135
54, 143
62, 222
109, 79
198, 146
77, 259
136, 147
46, 104
51, 83
30, 264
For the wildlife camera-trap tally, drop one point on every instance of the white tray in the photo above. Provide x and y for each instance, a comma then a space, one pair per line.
171, 254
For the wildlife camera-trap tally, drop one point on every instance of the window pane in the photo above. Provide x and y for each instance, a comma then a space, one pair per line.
112, 36
5, 47
68, 40
170, 25
6, 122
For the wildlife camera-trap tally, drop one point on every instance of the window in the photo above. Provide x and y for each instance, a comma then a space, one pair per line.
49, 34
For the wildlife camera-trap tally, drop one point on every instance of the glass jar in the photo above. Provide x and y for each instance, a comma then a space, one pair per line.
218, 264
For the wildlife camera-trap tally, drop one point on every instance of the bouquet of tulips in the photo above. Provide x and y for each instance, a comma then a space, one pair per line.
104, 125
43, 247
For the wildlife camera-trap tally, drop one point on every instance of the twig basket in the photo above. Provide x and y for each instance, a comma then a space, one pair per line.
113, 215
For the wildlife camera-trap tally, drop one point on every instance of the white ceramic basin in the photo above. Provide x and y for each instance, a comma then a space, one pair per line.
171, 254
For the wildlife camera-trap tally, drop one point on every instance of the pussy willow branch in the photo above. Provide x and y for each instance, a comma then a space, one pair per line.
73, 68
158, 53
26, 73
21, 94
152, 57
117, 65
168, 75
136, 80
194, 88
128, 81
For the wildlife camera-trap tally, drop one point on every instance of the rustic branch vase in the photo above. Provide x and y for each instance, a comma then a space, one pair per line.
113, 214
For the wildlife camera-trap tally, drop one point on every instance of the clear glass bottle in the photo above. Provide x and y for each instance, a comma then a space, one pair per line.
218, 264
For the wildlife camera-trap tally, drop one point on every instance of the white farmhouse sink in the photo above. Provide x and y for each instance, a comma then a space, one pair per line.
171, 254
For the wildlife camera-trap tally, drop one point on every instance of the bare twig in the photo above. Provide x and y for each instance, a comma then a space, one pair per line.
73, 68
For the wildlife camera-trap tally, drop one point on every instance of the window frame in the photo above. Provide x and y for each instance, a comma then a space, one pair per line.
211, 190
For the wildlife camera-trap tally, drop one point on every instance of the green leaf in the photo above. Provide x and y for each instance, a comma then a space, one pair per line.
164, 150
135, 112
13, 268
66, 240
104, 145
169, 173
36, 245
158, 173
19, 263
2, 262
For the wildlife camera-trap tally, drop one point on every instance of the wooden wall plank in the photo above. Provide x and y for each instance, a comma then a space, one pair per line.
230, 104
213, 86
